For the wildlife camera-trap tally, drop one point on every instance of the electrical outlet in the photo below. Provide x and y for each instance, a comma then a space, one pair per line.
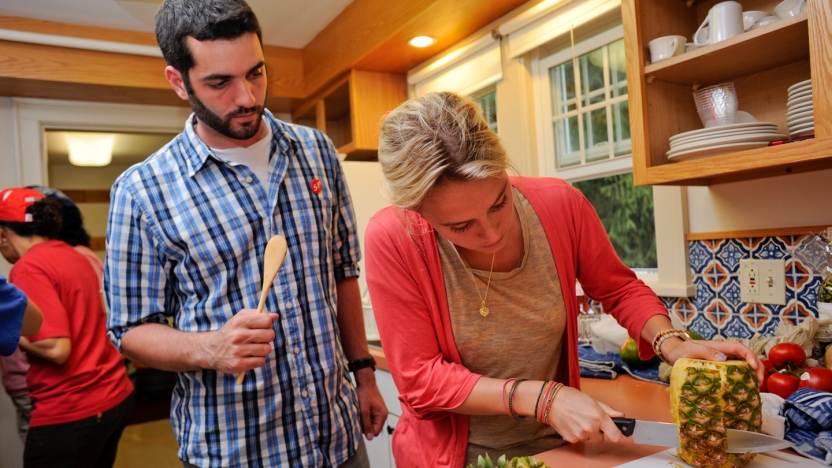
763, 281
752, 287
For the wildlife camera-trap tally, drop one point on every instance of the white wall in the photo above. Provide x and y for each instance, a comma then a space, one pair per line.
364, 181
11, 449
787, 201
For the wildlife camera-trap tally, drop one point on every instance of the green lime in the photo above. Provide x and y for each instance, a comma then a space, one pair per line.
694, 335
629, 354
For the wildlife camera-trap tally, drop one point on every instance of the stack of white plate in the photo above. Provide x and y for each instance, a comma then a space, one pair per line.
723, 139
801, 114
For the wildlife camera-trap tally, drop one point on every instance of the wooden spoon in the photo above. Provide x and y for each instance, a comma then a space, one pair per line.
275, 254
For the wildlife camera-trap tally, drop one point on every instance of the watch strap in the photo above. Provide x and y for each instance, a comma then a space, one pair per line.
362, 363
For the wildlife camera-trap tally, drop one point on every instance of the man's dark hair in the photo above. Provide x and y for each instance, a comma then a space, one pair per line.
46, 220
204, 20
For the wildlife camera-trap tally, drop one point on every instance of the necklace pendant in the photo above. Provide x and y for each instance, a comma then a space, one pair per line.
484, 311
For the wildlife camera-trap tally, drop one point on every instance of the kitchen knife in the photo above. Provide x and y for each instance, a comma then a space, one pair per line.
667, 435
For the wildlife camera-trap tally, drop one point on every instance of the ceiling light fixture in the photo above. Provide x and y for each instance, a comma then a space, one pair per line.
90, 149
421, 41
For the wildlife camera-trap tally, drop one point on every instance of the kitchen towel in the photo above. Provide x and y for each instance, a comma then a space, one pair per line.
808, 414
607, 366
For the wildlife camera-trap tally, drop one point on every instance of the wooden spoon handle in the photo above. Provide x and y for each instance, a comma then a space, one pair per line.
260, 306
273, 258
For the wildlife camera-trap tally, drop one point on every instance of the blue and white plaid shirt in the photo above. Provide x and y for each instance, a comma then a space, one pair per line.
185, 240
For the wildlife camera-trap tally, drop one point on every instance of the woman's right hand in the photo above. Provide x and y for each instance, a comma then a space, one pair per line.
578, 417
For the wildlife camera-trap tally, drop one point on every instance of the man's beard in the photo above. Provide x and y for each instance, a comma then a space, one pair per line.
222, 125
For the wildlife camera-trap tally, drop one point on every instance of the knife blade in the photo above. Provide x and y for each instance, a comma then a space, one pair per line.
667, 435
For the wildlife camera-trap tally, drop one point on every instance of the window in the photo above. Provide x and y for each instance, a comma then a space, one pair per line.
626, 211
488, 103
584, 138
590, 115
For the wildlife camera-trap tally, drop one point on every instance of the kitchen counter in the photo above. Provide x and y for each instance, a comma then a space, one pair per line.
637, 399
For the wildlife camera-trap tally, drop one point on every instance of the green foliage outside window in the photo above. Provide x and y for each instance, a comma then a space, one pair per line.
626, 211
488, 103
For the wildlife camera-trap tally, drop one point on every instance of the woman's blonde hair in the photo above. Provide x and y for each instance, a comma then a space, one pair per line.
433, 139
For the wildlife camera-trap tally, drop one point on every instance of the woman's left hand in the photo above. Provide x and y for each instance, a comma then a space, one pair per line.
712, 351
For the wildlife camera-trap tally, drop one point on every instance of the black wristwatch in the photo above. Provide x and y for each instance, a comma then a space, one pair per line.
359, 364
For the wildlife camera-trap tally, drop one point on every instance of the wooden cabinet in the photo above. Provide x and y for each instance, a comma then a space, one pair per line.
350, 111
761, 63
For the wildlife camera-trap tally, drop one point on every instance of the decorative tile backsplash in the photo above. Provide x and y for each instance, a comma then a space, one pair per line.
717, 309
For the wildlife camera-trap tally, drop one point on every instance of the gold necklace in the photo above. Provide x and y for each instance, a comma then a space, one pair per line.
483, 309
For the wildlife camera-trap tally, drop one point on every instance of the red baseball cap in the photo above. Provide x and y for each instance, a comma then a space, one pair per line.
15, 201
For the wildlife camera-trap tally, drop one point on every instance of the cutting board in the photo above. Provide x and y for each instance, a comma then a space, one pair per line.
664, 458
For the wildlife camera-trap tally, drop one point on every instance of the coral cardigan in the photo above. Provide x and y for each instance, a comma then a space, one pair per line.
407, 288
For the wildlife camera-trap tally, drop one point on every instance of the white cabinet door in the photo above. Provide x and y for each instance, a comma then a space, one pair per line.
378, 449
389, 428
389, 392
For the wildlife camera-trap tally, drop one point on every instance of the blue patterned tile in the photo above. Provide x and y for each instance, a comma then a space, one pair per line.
770, 327
717, 313
730, 293
669, 302
684, 310
704, 294
756, 315
795, 313
730, 253
808, 295
701, 325
736, 329
771, 248
700, 256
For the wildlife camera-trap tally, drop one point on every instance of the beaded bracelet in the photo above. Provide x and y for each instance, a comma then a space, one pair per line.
537, 403
511, 399
549, 404
662, 336
503, 395
547, 394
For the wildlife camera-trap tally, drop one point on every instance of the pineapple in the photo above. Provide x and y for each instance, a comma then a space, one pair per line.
516, 462
706, 398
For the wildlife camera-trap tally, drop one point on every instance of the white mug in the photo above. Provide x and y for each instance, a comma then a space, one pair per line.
724, 20
663, 48
749, 18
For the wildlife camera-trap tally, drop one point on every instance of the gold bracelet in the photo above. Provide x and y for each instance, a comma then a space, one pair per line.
549, 404
662, 336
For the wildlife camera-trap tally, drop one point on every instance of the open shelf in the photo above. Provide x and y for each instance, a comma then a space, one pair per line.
785, 41
791, 158
762, 64
350, 109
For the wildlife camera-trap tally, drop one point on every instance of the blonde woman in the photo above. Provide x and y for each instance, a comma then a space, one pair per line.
472, 277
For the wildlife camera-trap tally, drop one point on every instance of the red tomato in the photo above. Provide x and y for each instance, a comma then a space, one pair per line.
769, 367
818, 378
782, 385
787, 353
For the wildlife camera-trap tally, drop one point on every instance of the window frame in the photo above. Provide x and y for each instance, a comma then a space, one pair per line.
546, 118
672, 278
483, 92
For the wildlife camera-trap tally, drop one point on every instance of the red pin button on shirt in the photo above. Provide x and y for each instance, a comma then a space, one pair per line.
316, 186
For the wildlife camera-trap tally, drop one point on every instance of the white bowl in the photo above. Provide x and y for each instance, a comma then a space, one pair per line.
764, 22
788, 8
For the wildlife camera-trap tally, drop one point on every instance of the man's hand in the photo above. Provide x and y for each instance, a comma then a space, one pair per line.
370, 403
242, 343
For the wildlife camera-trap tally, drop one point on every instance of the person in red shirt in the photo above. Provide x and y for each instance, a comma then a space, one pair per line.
472, 277
81, 395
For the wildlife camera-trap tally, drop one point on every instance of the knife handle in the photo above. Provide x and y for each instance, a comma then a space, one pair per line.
625, 425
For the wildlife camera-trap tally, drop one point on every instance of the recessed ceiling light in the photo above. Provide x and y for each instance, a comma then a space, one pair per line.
421, 41
90, 149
